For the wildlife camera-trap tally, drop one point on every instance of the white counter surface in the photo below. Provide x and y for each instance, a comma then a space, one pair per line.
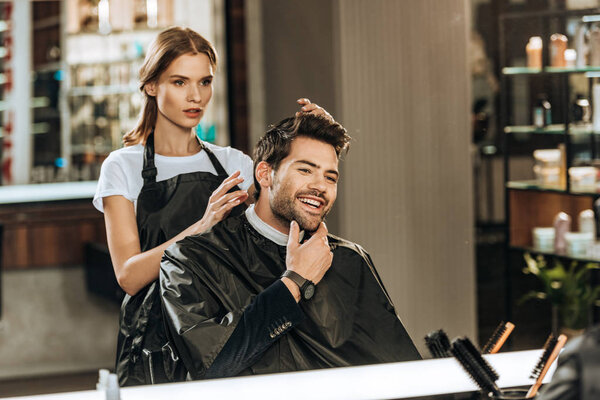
384, 381
14, 194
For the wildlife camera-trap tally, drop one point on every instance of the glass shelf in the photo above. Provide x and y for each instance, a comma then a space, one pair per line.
548, 70
587, 259
535, 185
554, 129
582, 12
102, 90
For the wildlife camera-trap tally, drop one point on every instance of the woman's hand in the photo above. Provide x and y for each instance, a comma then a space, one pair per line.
134, 269
312, 108
221, 203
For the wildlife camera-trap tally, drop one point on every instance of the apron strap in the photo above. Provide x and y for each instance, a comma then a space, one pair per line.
149, 170
215, 162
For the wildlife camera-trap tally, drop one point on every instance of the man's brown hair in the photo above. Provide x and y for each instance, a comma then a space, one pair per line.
275, 145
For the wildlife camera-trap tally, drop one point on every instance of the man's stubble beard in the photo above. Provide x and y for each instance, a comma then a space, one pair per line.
284, 208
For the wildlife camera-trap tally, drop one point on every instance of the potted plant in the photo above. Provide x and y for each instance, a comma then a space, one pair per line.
569, 291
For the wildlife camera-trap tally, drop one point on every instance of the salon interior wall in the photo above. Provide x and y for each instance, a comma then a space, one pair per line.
395, 74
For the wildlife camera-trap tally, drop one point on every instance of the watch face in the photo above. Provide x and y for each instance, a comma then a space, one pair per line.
309, 291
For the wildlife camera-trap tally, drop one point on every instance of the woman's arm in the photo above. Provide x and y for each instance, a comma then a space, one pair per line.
135, 269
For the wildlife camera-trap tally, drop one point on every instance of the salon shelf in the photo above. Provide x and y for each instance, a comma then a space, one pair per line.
534, 185
102, 90
554, 129
548, 70
533, 250
537, 14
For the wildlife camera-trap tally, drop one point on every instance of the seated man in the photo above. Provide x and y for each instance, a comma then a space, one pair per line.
577, 376
271, 291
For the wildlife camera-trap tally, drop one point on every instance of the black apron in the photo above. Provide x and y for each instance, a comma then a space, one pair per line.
164, 209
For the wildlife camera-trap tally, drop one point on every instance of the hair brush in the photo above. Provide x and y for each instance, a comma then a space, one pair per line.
438, 344
478, 369
498, 338
552, 349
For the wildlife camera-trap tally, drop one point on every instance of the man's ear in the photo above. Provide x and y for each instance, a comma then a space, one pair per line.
263, 174
150, 88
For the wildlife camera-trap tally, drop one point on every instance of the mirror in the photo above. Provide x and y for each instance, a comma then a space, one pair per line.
85, 95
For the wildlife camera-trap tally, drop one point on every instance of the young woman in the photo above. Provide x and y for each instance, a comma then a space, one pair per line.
165, 184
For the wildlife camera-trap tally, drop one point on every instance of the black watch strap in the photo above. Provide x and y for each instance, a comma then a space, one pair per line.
307, 288
295, 277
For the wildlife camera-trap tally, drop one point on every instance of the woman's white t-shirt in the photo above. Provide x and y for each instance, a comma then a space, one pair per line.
121, 172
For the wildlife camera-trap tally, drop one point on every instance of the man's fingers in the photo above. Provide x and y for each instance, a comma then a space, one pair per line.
323, 228
319, 235
303, 101
293, 237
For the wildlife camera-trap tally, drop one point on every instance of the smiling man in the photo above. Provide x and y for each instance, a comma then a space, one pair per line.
271, 290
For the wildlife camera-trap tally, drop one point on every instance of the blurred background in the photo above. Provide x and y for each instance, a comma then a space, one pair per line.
441, 185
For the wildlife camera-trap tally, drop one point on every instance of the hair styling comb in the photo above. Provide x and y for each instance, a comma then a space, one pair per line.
551, 351
478, 369
438, 344
496, 341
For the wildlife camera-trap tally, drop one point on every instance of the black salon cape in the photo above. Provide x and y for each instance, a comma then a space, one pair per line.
208, 280
577, 376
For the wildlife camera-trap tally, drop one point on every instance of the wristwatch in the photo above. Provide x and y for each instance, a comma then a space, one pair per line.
307, 288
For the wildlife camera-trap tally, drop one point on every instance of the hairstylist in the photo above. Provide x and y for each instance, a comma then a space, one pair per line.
164, 185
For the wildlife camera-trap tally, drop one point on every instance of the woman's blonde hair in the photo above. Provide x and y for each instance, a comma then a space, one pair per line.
168, 45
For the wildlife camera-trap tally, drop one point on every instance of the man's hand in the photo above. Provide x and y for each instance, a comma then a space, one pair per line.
310, 259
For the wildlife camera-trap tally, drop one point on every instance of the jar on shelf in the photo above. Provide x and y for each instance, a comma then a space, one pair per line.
583, 178
579, 244
547, 166
543, 239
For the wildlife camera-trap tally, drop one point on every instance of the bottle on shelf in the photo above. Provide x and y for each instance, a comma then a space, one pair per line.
596, 106
587, 222
534, 52
581, 46
542, 112
562, 225
570, 58
580, 110
594, 45
558, 45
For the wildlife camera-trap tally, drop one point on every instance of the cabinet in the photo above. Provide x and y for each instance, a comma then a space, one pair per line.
102, 94
531, 202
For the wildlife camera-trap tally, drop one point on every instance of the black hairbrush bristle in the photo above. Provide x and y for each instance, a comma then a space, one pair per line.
474, 364
548, 349
500, 329
438, 344
477, 356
